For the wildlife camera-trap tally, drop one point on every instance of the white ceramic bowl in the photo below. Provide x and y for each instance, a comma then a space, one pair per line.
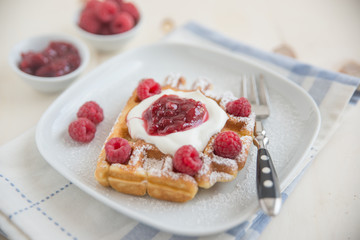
108, 42
39, 43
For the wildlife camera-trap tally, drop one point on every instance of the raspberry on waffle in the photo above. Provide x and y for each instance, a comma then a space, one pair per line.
150, 170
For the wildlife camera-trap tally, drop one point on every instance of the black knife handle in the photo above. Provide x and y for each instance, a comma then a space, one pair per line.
266, 177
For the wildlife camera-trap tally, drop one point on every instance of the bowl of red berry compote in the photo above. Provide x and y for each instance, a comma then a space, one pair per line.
108, 24
49, 63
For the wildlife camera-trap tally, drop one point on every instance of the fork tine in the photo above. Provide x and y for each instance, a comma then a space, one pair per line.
243, 87
263, 94
249, 89
254, 90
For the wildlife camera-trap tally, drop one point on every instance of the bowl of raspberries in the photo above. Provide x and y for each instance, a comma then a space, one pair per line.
108, 24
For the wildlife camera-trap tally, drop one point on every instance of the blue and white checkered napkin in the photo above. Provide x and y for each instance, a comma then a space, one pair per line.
38, 203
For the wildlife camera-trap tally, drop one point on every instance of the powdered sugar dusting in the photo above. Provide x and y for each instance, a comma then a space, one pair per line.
249, 122
173, 80
138, 153
216, 176
215, 203
168, 164
208, 158
226, 97
206, 164
224, 202
202, 83
153, 164
286, 126
224, 161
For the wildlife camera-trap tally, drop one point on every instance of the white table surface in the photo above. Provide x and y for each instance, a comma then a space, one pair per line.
326, 33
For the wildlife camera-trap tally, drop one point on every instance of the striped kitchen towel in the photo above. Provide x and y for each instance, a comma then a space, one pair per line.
38, 203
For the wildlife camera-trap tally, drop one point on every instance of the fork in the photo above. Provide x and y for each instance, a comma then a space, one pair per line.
268, 190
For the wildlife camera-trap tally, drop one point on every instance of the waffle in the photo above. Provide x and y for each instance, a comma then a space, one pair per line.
149, 171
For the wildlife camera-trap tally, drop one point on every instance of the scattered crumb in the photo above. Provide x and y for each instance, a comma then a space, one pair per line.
351, 68
285, 50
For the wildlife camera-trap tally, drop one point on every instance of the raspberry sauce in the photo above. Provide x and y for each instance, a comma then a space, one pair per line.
57, 59
170, 114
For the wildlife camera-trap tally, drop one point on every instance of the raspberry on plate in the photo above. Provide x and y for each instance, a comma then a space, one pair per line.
92, 111
240, 107
117, 150
147, 88
187, 160
82, 130
181, 140
227, 145
122, 22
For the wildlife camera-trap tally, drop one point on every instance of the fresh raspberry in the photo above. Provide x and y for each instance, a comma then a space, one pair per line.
227, 145
117, 150
147, 88
240, 107
122, 22
92, 111
82, 130
106, 11
89, 22
131, 9
105, 29
91, 4
187, 160
117, 2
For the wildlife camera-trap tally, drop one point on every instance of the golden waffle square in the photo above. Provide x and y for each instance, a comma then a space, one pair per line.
149, 171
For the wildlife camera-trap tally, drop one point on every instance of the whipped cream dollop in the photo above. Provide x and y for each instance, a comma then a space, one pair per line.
198, 136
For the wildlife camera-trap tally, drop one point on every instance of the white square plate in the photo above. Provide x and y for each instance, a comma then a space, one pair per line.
292, 128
